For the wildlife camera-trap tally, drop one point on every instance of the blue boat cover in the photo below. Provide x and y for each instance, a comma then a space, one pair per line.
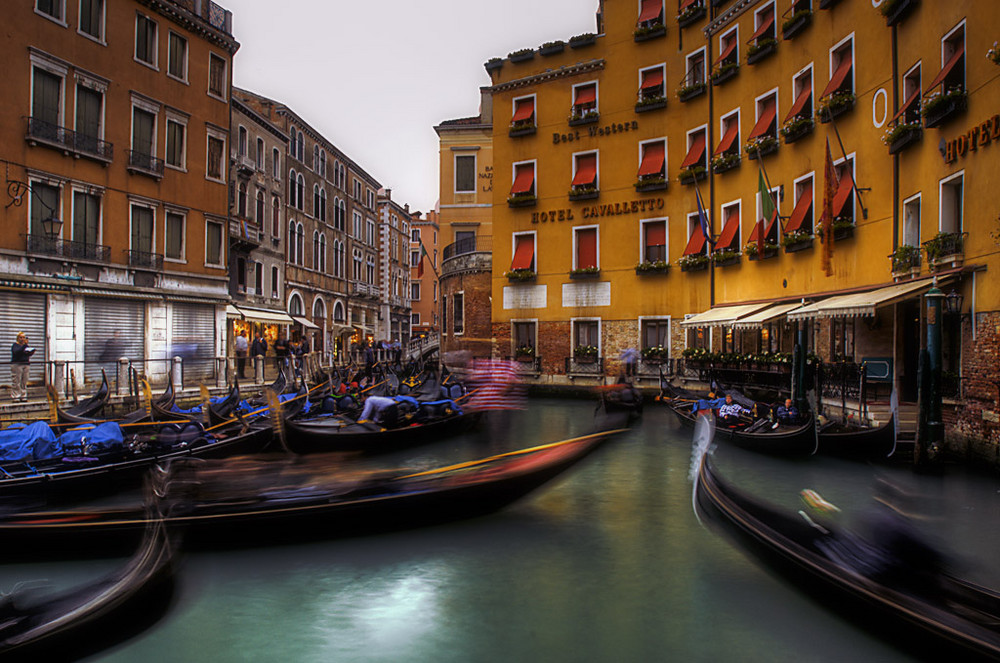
37, 441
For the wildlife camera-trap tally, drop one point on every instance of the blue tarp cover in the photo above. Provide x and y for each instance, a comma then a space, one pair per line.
37, 441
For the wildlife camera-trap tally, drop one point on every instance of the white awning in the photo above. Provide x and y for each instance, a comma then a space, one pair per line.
722, 315
861, 304
339, 329
761, 318
259, 315
305, 322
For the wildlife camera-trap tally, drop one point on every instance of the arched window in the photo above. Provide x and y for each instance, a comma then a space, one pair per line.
316, 201
301, 241
241, 208
274, 282
293, 142
276, 216
322, 253
243, 141
276, 164
259, 156
260, 210
319, 312
300, 155
301, 191
316, 158
295, 305
322, 163
315, 249
292, 191
338, 312
291, 242
322, 205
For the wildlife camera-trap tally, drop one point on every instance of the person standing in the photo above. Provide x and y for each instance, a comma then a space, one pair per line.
20, 359
242, 349
258, 348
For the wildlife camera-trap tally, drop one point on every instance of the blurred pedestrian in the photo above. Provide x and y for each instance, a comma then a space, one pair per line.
242, 347
20, 358
629, 357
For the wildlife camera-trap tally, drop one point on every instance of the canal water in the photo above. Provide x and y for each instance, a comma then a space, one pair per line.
607, 563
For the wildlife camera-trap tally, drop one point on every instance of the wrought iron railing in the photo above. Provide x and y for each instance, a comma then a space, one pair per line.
65, 248
468, 245
145, 163
145, 259
70, 140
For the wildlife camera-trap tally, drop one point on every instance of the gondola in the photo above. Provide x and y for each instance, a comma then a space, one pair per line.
959, 621
164, 401
871, 443
84, 620
217, 412
264, 501
89, 408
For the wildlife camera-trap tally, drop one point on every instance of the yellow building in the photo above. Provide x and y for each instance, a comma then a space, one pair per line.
604, 146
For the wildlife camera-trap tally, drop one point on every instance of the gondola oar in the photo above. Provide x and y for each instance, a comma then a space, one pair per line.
277, 420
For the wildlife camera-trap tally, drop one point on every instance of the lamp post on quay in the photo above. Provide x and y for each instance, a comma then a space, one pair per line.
930, 430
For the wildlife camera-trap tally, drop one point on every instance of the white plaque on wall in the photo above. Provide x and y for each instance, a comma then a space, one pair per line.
524, 296
576, 295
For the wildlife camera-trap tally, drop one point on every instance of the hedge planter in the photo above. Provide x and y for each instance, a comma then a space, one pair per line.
725, 162
724, 73
526, 130
941, 112
835, 110
794, 132
755, 55
692, 175
651, 269
583, 40
521, 56
695, 266
691, 91
895, 12
801, 245
659, 184
796, 24
521, 276
905, 139
727, 261
650, 105
586, 194
650, 32
552, 49
522, 201
691, 16
585, 274
769, 252
588, 118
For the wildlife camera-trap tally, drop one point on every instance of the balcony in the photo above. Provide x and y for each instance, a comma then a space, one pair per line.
69, 141
244, 236
366, 290
145, 260
244, 164
145, 164
67, 249
470, 254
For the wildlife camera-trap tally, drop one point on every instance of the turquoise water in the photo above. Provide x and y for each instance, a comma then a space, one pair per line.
607, 563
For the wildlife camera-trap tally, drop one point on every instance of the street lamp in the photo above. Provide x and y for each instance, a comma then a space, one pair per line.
52, 226
953, 303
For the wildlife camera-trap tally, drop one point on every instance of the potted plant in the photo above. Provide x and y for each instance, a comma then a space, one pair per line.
520, 275
493, 64
688, 92
696, 356
761, 146
905, 260
655, 354
761, 49
795, 23
843, 228
585, 272
691, 174
725, 161
585, 354
993, 55
650, 102
649, 30
652, 267
752, 250
552, 47
521, 55
581, 40
940, 106
693, 262
691, 14
944, 247
797, 240
521, 200
522, 127
833, 105
724, 72
796, 127
725, 257
583, 116
896, 10
901, 135
583, 192
524, 353
654, 182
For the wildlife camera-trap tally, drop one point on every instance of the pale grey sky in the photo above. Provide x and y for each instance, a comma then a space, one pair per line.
375, 77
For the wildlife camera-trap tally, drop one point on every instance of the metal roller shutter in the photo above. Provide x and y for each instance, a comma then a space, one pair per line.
113, 328
23, 312
193, 333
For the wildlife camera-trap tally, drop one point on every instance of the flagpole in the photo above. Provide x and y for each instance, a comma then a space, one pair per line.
423, 252
770, 191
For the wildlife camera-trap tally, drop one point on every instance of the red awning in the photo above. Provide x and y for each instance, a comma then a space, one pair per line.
770, 224
800, 102
523, 109
839, 75
686, 3
765, 120
758, 228
695, 154
650, 9
727, 139
764, 25
524, 252
844, 189
524, 179
586, 170
729, 230
652, 78
906, 105
802, 206
652, 159
697, 242
586, 95
656, 233
726, 52
586, 248
946, 69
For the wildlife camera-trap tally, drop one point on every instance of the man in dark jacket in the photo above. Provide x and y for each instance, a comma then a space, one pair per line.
20, 358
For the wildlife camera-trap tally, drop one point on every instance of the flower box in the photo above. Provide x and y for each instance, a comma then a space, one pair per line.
796, 24
834, 106
691, 15
905, 258
651, 104
493, 64
950, 261
692, 174
585, 273
944, 248
724, 162
941, 108
689, 92
552, 48
647, 32
522, 200
798, 245
905, 274
896, 10
654, 267
694, 263
522, 55
725, 72
585, 354
521, 275
796, 128
761, 147
751, 251
584, 193
760, 50
842, 229
522, 129
908, 135
726, 258
587, 117
524, 358
585, 359
580, 41
651, 184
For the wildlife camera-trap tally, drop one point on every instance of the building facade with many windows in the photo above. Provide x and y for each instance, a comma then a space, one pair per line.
424, 266
394, 262
116, 131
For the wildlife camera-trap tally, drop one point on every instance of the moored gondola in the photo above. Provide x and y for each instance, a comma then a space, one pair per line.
951, 620
867, 442
84, 620
89, 408
164, 401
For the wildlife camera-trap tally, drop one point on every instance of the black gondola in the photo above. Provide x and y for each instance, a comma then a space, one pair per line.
84, 620
217, 412
264, 501
164, 401
868, 442
956, 621
336, 433
89, 408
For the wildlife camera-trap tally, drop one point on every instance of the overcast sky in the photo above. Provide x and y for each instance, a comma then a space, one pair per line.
376, 77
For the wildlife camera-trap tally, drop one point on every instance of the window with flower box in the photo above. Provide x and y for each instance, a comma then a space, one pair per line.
585, 250
695, 255
763, 240
730, 238
586, 338
945, 96
524, 336
798, 232
654, 334
522, 265
727, 64
653, 249
695, 164
652, 93
695, 77
727, 153
799, 120
838, 95
843, 201
522, 121
650, 23
522, 191
584, 110
652, 174
763, 41
904, 128
796, 18
585, 183
763, 138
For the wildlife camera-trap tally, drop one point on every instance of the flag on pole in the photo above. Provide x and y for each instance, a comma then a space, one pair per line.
766, 209
829, 190
420, 262
703, 218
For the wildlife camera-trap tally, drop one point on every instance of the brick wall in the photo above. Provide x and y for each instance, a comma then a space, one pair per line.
475, 289
970, 425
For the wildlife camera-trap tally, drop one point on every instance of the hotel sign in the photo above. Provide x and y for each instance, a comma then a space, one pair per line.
619, 208
593, 132
976, 137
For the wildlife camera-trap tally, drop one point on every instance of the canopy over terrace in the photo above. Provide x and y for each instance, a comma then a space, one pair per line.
861, 304
766, 316
722, 315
